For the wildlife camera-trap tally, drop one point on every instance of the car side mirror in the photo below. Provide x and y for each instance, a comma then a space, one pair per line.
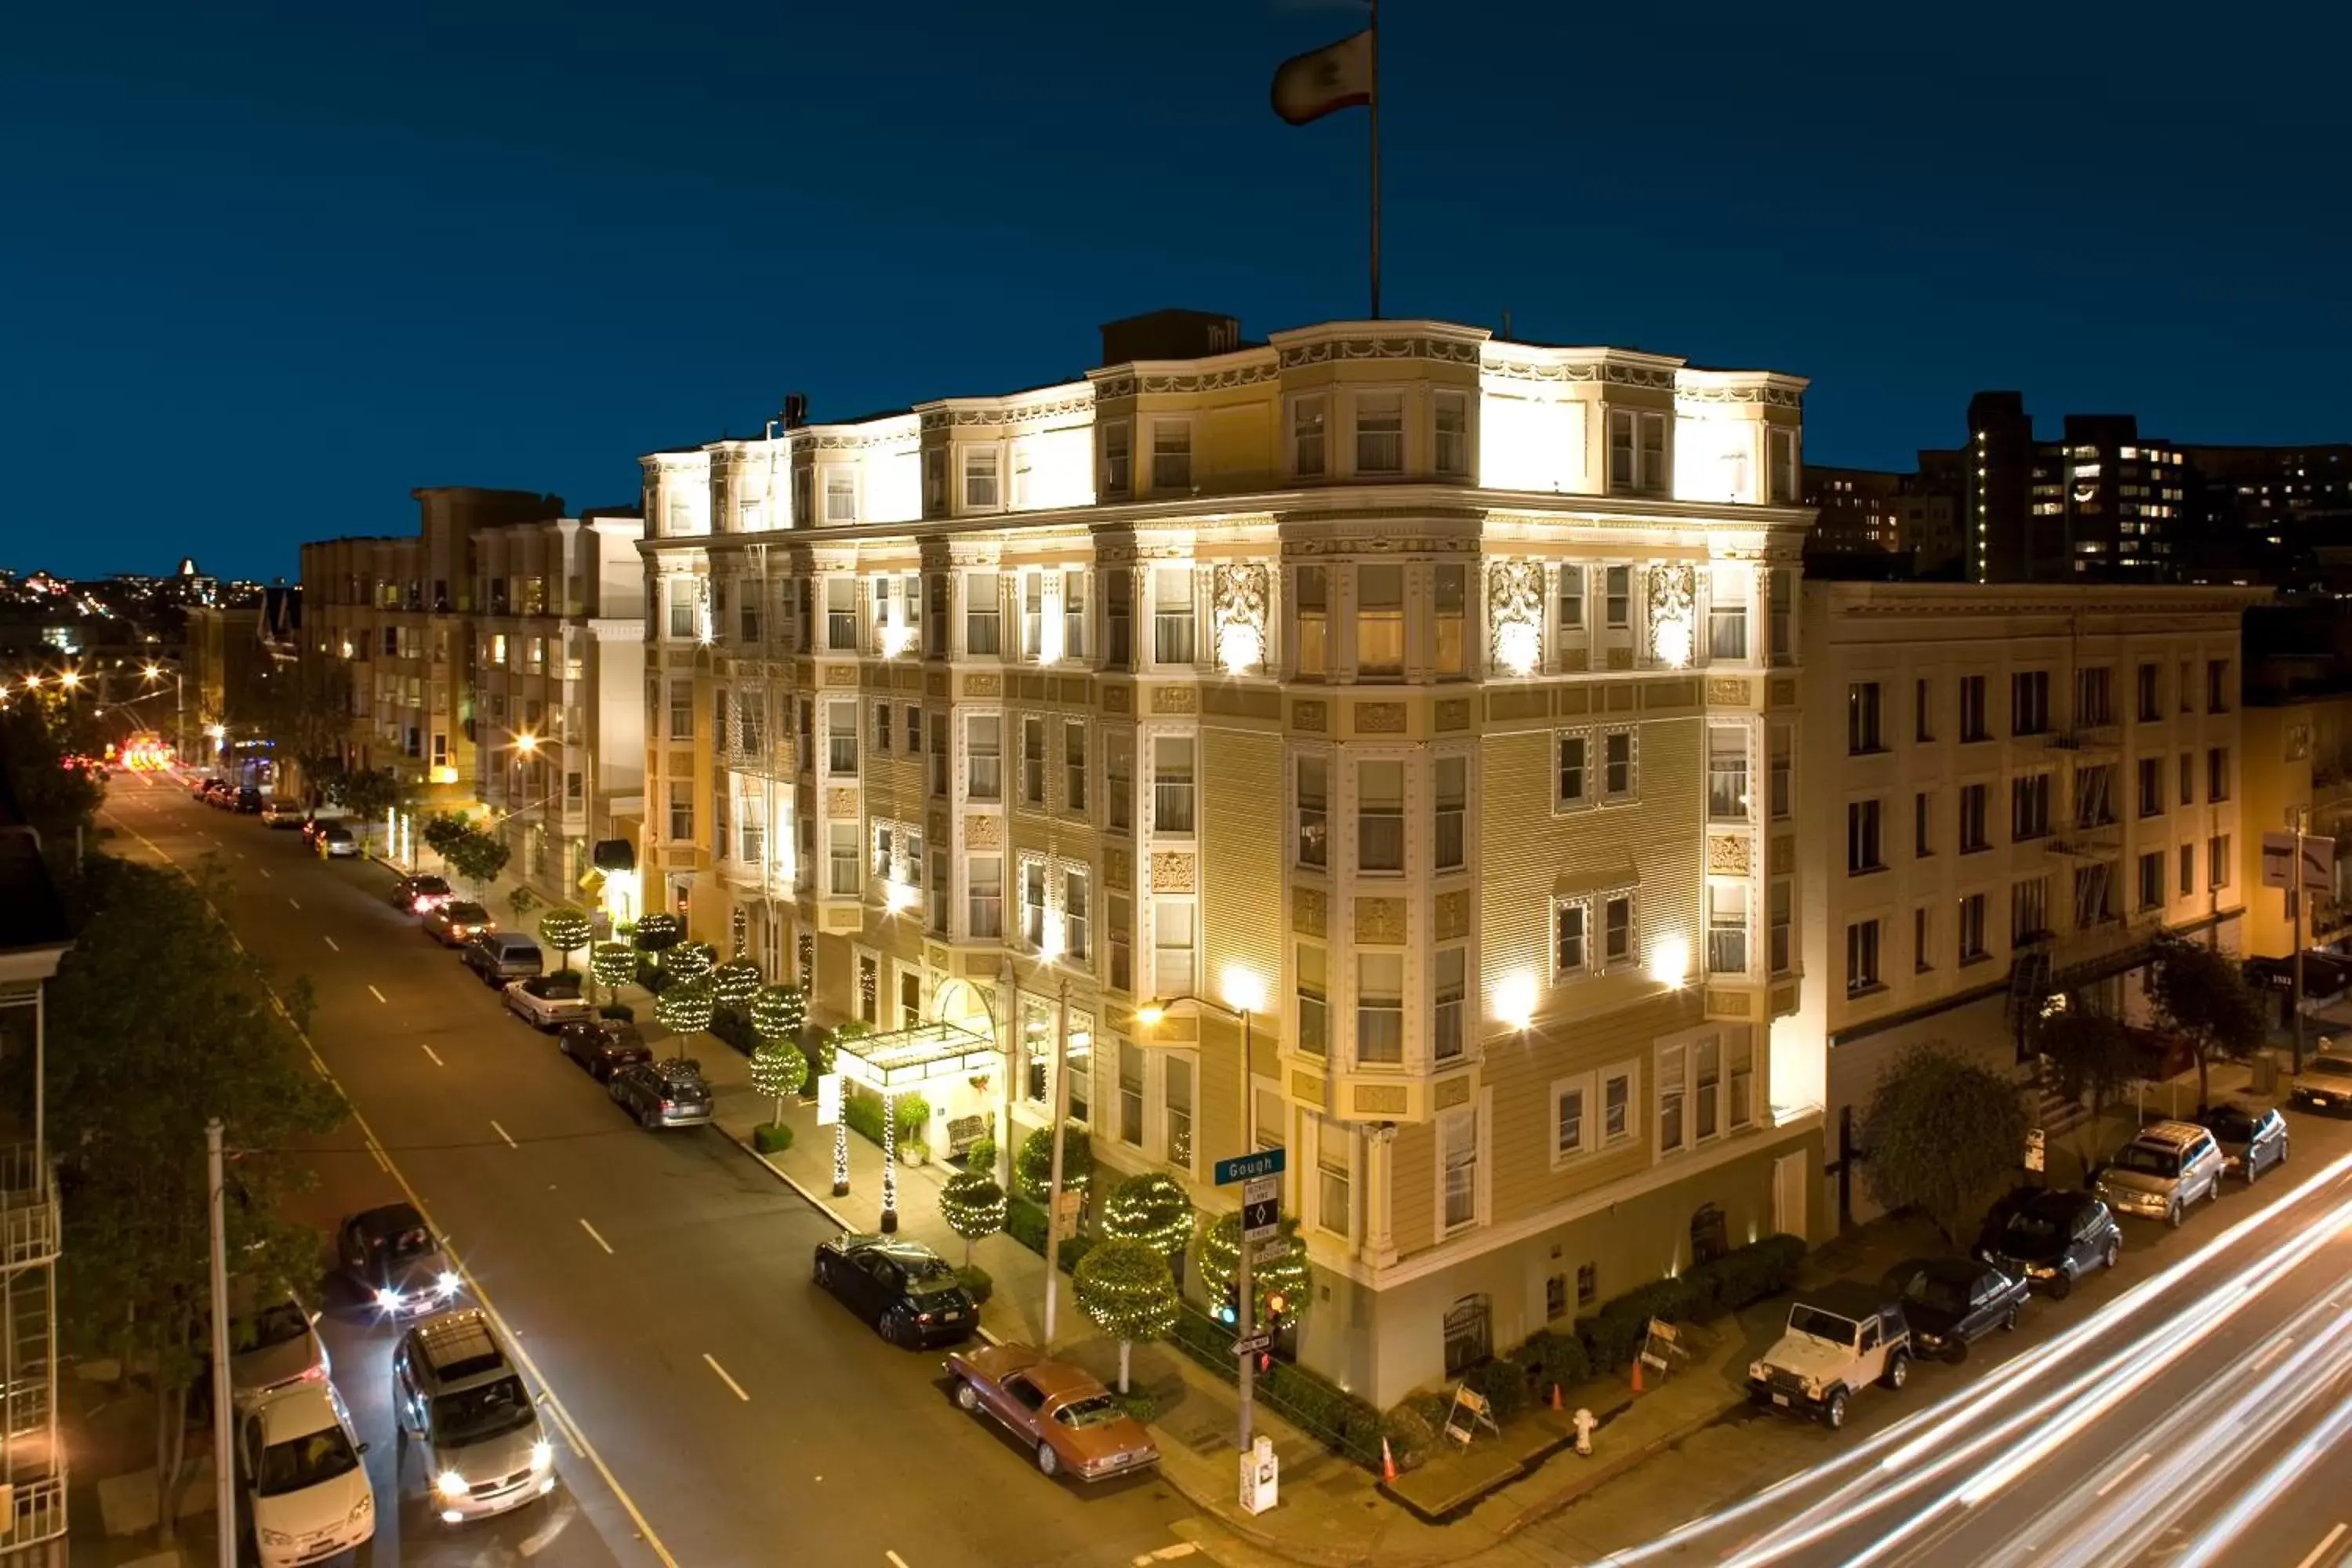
364, 1448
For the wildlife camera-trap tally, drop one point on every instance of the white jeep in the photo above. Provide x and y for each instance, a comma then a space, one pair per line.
1836, 1343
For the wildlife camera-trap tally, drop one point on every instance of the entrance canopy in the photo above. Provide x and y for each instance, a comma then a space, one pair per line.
907, 1059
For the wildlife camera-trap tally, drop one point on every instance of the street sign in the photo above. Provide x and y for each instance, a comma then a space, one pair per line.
600, 926
1066, 1209
2318, 861
1241, 1167
1261, 1208
829, 1099
1251, 1345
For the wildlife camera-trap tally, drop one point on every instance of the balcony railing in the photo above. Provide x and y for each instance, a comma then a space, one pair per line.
28, 1208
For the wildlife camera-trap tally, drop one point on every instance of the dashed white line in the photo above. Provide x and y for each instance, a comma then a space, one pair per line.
429, 1051
297, 903
747, 1399
376, 1151
2322, 1550
608, 1249
376, 994
329, 941
504, 1133
264, 870
2119, 1476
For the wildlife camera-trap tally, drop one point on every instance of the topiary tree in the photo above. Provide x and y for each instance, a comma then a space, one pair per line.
1943, 1134
1152, 1208
777, 1013
656, 935
1281, 1272
565, 929
684, 1008
973, 1205
1034, 1169
778, 1069
690, 960
1124, 1289
735, 983
613, 962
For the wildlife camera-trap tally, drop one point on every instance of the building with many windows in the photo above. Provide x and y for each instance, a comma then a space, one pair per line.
2009, 791
1416, 693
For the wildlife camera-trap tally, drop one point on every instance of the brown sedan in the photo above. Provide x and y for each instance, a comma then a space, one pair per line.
1073, 1422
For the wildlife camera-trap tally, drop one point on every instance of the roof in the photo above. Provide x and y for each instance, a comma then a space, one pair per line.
389, 1219
459, 1344
296, 1412
1060, 1380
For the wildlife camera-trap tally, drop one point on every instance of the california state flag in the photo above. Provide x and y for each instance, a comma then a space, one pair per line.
1337, 76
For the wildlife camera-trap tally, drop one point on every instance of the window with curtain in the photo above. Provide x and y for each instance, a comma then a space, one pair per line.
1379, 1009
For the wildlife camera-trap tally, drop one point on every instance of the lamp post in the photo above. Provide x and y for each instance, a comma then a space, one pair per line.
154, 671
1248, 995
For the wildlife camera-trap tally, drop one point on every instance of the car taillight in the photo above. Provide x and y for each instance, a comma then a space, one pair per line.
670, 1105
923, 1317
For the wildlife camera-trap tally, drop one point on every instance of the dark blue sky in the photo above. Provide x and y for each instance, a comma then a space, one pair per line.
268, 266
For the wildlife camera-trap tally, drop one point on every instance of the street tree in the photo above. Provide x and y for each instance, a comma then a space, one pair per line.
368, 794
1124, 1289
778, 1012
778, 1069
2199, 995
684, 1009
1279, 1275
690, 960
157, 1023
1034, 1167
1943, 1134
735, 983
565, 929
2092, 1058
441, 832
829, 1043
656, 933
614, 964
478, 856
973, 1205
522, 900
56, 801
1151, 1207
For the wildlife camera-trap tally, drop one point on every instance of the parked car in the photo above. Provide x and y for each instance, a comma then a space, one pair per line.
305, 1489
458, 922
2253, 1138
499, 956
1952, 1302
418, 894
2050, 1236
1838, 1342
666, 1093
393, 1256
281, 814
457, 1394
247, 803
273, 1345
2157, 1174
1069, 1420
314, 825
902, 1287
336, 843
548, 1001
2325, 1085
603, 1046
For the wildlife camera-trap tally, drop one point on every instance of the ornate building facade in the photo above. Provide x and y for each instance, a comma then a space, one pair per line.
1414, 692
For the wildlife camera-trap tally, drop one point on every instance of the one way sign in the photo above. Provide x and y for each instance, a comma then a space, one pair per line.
1261, 1208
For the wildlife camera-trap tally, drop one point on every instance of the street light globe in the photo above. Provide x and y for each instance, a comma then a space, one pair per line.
1244, 989
526, 742
152, 671
1150, 1013
71, 677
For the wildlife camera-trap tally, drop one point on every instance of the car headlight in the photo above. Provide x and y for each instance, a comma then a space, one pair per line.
389, 1299
1757, 1372
276, 1538
361, 1508
542, 1454
451, 1485
449, 1283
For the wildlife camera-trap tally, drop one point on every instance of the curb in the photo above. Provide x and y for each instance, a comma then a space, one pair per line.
1592, 1480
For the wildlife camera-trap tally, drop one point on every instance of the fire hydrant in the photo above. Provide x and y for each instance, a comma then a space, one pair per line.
1585, 1423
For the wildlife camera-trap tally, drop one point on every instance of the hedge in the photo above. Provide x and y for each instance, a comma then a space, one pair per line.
734, 1029
1613, 1336
1341, 1421
976, 1280
1504, 1382
621, 1012
1554, 1361
771, 1137
864, 1114
1024, 1222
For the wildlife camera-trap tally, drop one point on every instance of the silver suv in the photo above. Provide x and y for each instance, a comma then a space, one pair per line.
458, 1395
2159, 1173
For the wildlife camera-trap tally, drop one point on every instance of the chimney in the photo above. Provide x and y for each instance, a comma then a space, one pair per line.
1169, 334
795, 410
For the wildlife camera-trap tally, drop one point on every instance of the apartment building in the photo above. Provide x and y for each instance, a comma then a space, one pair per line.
2010, 790
1402, 687
2298, 768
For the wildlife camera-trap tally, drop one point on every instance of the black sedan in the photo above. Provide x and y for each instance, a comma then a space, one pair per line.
2050, 1237
2252, 1138
603, 1046
2325, 1086
414, 895
903, 1289
1952, 1302
668, 1093
393, 1256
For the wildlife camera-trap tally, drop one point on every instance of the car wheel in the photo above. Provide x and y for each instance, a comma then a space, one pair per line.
2108, 1258
825, 1272
2214, 1193
1048, 1462
1898, 1370
1958, 1353
2172, 1216
2061, 1285
2253, 1172
648, 1118
2008, 1323
967, 1397
1833, 1412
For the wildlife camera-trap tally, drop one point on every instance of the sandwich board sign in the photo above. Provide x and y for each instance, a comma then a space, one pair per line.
1470, 1411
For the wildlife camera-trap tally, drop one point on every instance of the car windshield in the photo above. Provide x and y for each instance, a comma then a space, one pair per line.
277, 1325
2033, 1228
339, 834
472, 1415
1094, 1410
407, 1244
927, 1276
1821, 1325
2333, 1066
305, 1461
428, 885
463, 914
1935, 1292
2148, 1162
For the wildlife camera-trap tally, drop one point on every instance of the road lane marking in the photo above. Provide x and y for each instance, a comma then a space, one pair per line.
291, 900
2272, 1354
377, 995
264, 870
573, 1436
608, 1252
329, 941
2321, 1550
504, 1133
429, 1051
2121, 1475
375, 1150
747, 1399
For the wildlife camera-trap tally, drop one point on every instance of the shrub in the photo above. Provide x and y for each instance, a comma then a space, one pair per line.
914, 1114
1140, 1405
864, 1114
977, 1280
620, 1012
1034, 1169
973, 1205
1555, 1360
735, 1029
1504, 1382
1343, 1422
1412, 1436
771, 1137
1613, 1336
1024, 1222
1153, 1208
981, 1155
1073, 1252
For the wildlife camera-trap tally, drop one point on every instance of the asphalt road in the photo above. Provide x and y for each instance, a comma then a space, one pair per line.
2195, 1410
709, 1404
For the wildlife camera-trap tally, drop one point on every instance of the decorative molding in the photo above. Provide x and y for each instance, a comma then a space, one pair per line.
1128, 383
1784, 1000
1453, 915
983, 686
1380, 544
1515, 606
1783, 853
1310, 715
1379, 1100
935, 683
841, 675
1671, 606
1610, 372
1452, 1091
1175, 700
1784, 689
1728, 854
1454, 713
1307, 1088
1118, 698
1769, 394
842, 801
1172, 871
1380, 718
983, 833
1238, 595
1310, 911
1721, 1004
1381, 921
1727, 691
1620, 659
1332, 349
994, 414
1118, 873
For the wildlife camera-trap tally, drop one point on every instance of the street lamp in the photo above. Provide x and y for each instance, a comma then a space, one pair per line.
1244, 994
154, 671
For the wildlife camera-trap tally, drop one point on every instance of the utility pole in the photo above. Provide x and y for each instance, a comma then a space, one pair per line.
2295, 894
1053, 1185
224, 1418
1245, 1305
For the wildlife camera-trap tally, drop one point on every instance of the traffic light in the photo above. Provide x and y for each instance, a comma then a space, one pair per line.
1230, 1312
1276, 1305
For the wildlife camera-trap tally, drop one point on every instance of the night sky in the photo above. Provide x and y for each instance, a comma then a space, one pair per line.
267, 267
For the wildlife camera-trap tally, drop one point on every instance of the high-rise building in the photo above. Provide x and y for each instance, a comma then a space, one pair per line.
1414, 693
2103, 502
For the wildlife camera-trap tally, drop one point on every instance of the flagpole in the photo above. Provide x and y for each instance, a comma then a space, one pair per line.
1376, 158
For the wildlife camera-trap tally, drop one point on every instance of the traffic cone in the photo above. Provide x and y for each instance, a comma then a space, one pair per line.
1388, 1462
1637, 1374
1555, 1397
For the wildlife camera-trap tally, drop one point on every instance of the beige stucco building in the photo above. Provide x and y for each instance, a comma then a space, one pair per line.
1412, 688
2005, 791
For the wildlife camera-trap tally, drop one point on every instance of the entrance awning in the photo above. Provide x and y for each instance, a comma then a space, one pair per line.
907, 1059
